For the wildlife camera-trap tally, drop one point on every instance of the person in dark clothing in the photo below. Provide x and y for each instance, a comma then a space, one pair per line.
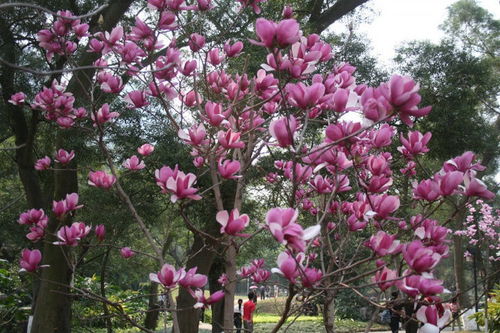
411, 324
395, 317
238, 312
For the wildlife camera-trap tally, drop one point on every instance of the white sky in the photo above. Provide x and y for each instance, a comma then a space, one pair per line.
397, 21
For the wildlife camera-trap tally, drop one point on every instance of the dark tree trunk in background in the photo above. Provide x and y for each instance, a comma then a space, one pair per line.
53, 304
218, 308
202, 257
152, 315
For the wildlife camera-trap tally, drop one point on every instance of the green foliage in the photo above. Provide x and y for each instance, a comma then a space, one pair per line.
14, 299
89, 312
493, 312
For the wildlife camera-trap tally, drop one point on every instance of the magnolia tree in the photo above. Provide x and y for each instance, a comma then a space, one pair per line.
340, 219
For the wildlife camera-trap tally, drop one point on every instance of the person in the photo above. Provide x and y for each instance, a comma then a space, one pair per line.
238, 316
455, 311
395, 317
248, 309
262, 292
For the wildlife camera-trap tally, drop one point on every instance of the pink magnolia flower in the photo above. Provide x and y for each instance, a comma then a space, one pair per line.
233, 50
30, 260
134, 163
168, 276
100, 232
287, 12
282, 224
384, 244
448, 183
103, 115
476, 188
215, 113
196, 42
427, 189
110, 83
433, 318
101, 179
403, 94
299, 174
204, 4
383, 136
71, 235
463, 163
232, 223
383, 278
63, 157
146, 149
202, 302
252, 3
415, 144
198, 161
420, 258
191, 279
283, 34
260, 276
36, 233
181, 187
321, 185
283, 129
136, 99
304, 96
195, 136
66, 205
230, 139
223, 279
384, 204
33, 216
311, 277
126, 252
288, 265
164, 174
228, 169
17, 98
43, 163
188, 68
215, 57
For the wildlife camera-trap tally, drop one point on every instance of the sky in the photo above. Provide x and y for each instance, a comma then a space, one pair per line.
397, 21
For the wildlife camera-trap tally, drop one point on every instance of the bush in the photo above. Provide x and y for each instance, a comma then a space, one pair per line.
15, 302
493, 312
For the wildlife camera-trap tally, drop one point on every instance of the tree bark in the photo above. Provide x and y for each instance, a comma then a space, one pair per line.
329, 311
152, 315
53, 304
320, 22
458, 259
218, 308
230, 288
201, 257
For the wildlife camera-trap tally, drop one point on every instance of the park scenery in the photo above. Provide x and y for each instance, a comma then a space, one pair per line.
246, 166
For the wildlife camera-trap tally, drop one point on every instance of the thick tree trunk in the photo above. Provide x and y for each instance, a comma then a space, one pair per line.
230, 288
218, 308
329, 311
201, 257
152, 315
53, 304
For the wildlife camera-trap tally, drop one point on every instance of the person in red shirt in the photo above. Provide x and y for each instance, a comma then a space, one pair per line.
248, 309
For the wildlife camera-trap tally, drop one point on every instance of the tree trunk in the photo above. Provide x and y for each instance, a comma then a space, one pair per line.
201, 257
329, 311
53, 304
458, 260
218, 308
151, 320
230, 288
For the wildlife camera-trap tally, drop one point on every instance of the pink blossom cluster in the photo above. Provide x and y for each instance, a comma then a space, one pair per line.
57, 105
481, 229
63, 36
